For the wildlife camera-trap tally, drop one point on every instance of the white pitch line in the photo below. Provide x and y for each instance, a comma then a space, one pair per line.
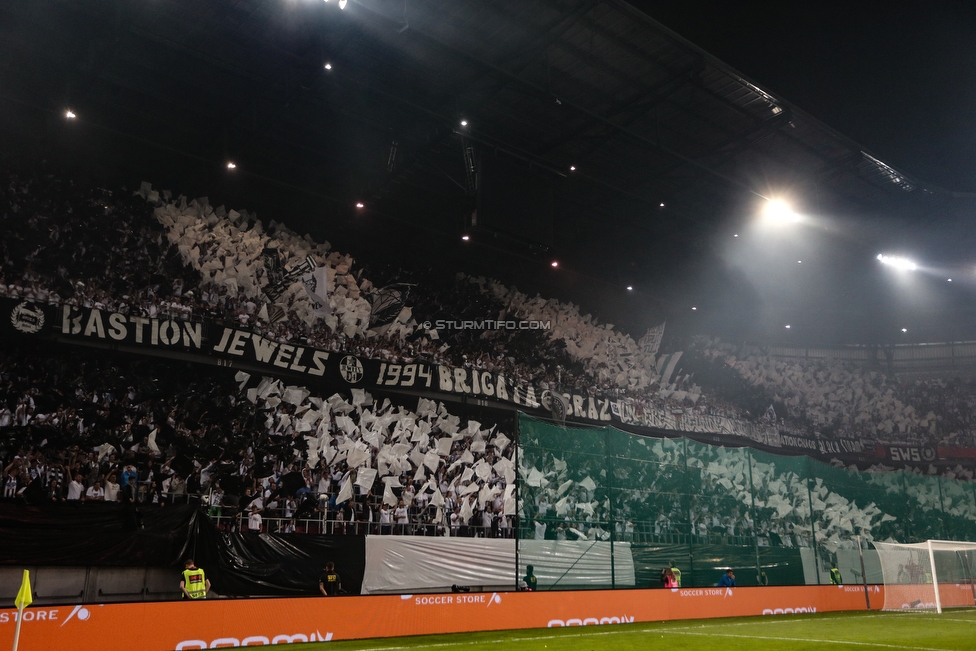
766, 621
688, 630
509, 639
816, 641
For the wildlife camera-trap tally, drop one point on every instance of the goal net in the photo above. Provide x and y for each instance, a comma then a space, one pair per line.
932, 575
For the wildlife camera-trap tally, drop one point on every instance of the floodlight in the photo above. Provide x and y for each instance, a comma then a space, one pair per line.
342, 4
359, 204
898, 262
231, 166
904, 329
572, 168
779, 212
630, 288
328, 66
787, 326
465, 237
464, 123
68, 115
555, 263
694, 308
662, 204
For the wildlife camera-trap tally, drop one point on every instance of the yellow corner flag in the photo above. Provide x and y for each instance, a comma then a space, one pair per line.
24, 597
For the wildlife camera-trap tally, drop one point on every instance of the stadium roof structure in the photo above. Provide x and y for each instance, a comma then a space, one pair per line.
654, 150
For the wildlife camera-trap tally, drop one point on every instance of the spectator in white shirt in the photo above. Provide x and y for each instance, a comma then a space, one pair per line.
76, 489
95, 493
254, 520
385, 519
401, 518
111, 489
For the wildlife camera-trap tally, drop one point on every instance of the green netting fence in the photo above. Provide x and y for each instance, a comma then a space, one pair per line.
630, 505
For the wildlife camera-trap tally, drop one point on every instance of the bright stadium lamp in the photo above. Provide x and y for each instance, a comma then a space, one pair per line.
898, 262
777, 211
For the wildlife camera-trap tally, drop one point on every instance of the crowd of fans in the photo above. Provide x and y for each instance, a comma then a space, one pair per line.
264, 456
95, 427
836, 398
678, 491
147, 253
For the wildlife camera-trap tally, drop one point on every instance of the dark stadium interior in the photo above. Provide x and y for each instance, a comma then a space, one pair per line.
174, 90
239, 238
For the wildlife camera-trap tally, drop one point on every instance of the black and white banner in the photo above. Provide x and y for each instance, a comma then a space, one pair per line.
69, 323
912, 453
823, 446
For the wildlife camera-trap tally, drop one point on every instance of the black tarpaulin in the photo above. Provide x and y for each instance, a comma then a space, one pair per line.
248, 564
237, 564
91, 533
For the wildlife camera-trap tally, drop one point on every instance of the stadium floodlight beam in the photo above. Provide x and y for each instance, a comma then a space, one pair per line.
898, 262
342, 4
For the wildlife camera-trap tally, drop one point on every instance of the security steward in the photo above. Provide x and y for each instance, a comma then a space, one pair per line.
835, 577
195, 584
329, 583
676, 572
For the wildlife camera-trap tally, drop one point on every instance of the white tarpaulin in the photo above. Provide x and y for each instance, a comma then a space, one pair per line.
396, 564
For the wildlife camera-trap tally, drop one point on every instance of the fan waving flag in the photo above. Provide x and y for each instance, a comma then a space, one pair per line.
316, 287
24, 596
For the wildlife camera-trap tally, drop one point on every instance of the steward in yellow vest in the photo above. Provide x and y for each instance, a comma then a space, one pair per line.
195, 584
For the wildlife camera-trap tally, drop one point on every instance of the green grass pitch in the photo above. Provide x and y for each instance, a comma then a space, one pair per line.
954, 630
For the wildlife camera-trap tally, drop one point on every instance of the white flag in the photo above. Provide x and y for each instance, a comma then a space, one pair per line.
317, 287
345, 493
651, 342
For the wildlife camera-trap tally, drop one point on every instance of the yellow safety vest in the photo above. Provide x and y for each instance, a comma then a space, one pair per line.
677, 575
195, 583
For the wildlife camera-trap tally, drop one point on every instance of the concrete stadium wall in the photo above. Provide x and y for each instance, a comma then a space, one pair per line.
90, 585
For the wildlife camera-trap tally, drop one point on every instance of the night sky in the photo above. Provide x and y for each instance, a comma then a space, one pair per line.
897, 77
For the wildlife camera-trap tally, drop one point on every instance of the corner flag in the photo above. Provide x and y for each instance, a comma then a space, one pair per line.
24, 597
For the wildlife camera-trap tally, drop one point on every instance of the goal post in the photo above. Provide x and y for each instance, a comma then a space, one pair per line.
931, 575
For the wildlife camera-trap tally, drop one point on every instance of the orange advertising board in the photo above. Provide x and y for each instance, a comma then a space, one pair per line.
229, 623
